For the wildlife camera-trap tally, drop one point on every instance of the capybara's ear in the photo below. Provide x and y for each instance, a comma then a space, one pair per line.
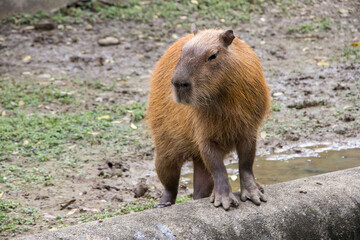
194, 29
227, 37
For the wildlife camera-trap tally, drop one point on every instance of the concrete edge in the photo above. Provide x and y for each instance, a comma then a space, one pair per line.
326, 206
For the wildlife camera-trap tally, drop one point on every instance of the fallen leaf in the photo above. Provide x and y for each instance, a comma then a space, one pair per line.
222, 20
2, 40
262, 42
27, 58
53, 229
233, 178
3, 114
26, 142
72, 212
21, 103
194, 2
305, 49
322, 63
355, 44
104, 117
133, 126
278, 94
262, 19
1, 194
26, 73
261, 152
263, 135
49, 216
109, 61
343, 11
174, 36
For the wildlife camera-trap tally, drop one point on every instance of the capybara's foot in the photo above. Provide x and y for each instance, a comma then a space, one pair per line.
253, 191
224, 199
168, 198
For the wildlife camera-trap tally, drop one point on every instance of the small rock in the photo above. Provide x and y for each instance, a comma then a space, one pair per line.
340, 87
45, 25
27, 28
44, 76
292, 136
348, 118
86, 209
109, 41
49, 216
140, 189
297, 150
88, 27
117, 198
340, 131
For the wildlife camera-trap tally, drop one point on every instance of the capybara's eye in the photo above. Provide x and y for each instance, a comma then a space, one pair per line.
212, 57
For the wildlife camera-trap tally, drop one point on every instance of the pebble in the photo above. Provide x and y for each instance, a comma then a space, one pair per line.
140, 189
44, 76
108, 41
45, 25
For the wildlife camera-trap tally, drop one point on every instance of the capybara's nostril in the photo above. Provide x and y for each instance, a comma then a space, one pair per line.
181, 85
185, 85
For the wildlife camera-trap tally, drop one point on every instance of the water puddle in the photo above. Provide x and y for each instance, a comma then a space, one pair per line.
289, 164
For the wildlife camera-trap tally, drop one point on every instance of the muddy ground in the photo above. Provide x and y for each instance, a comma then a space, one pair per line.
305, 48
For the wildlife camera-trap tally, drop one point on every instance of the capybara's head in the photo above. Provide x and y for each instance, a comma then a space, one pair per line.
202, 72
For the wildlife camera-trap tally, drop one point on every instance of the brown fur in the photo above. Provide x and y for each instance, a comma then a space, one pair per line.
228, 101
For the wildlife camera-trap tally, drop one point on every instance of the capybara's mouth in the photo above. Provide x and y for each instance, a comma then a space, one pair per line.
181, 96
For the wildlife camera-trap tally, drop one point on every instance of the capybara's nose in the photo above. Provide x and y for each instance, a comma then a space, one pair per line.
183, 85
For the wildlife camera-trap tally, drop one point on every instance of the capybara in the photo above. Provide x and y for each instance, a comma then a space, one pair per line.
208, 96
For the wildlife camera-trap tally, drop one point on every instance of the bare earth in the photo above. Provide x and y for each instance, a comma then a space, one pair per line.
314, 82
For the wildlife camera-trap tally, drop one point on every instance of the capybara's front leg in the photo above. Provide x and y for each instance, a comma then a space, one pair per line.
213, 159
250, 189
168, 171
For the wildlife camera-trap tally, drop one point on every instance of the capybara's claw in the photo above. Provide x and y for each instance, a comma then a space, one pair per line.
162, 205
224, 200
255, 194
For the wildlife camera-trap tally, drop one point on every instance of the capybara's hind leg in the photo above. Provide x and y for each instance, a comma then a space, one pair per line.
168, 171
203, 181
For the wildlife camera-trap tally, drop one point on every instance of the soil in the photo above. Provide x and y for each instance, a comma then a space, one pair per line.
315, 88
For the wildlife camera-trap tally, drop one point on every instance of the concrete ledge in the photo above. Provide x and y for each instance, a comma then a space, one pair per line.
321, 207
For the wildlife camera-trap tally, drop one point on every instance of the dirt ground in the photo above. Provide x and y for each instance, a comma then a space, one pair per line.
312, 70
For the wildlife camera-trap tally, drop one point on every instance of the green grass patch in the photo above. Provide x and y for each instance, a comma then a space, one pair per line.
14, 218
130, 207
276, 106
351, 53
42, 137
172, 12
31, 94
323, 24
